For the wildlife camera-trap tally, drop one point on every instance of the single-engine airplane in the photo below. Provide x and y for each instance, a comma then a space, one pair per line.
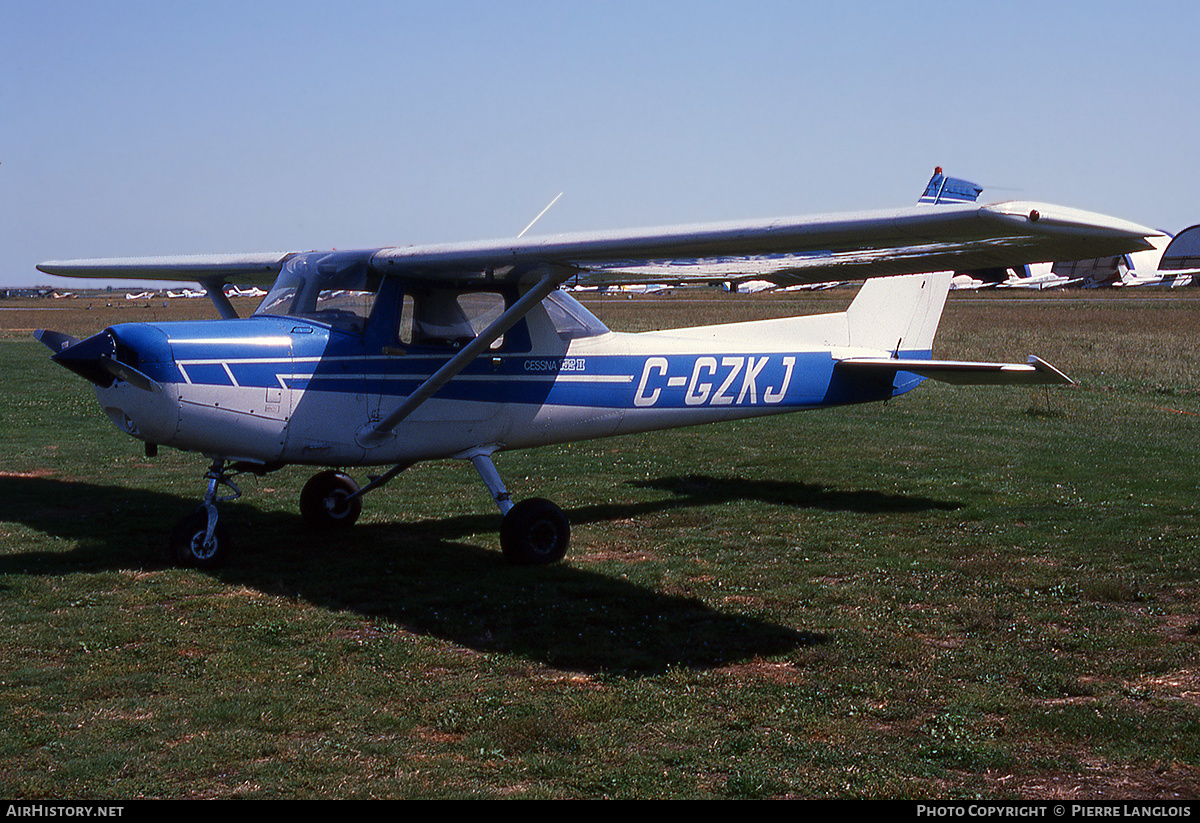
390, 356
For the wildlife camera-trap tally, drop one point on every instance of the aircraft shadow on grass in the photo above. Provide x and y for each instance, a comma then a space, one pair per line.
427, 577
702, 490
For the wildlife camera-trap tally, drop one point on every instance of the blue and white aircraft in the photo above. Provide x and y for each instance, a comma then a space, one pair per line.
390, 356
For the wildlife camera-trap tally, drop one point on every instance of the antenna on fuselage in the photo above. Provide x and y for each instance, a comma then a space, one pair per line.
539, 217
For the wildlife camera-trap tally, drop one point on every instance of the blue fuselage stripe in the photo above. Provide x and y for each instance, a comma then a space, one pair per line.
600, 381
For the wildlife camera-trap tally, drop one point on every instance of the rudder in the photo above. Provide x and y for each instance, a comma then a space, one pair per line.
898, 315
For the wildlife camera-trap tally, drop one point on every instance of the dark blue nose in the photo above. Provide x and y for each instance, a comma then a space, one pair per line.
99, 358
84, 357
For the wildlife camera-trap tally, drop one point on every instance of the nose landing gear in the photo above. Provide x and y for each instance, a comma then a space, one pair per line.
200, 540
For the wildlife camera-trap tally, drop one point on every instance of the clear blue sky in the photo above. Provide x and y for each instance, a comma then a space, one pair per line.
140, 128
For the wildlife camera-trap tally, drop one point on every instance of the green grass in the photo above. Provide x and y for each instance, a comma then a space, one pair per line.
964, 593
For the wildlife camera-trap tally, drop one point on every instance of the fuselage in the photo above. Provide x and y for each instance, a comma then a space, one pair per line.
275, 389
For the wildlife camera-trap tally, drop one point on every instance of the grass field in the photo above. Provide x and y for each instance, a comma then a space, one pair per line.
963, 593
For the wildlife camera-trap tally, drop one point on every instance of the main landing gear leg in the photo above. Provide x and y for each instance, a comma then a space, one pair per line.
534, 532
200, 539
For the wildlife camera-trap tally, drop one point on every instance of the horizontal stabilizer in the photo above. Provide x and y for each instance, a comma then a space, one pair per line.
965, 373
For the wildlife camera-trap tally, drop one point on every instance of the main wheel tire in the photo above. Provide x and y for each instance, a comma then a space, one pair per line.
534, 532
325, 500
189, 547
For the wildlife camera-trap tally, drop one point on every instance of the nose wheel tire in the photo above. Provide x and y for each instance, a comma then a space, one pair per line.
326, 502
191, 546
534, 532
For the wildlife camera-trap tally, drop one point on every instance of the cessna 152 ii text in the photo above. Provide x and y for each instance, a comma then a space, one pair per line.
390, 356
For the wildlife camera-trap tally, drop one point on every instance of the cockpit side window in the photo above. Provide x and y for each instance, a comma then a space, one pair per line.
446, 318
334, 288
571, 320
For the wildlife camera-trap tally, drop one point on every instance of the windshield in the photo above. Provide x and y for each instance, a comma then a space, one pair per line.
334, 288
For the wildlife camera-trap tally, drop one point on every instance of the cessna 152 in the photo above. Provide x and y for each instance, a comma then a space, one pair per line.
390, 356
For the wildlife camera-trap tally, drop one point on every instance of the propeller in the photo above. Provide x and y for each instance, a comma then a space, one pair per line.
94, 359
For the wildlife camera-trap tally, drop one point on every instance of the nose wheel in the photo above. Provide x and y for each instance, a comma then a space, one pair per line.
200, 540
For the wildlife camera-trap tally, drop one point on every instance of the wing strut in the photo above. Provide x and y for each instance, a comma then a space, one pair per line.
216, 293
373, 435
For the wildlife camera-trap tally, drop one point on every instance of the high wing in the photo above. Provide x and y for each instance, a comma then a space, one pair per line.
792, 251
250, 269
787, 251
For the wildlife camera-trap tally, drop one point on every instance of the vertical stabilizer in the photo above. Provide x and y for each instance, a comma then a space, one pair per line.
943, 189
898, 315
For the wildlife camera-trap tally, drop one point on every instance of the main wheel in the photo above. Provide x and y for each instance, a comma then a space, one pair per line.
325, 500
190, 545
534, 532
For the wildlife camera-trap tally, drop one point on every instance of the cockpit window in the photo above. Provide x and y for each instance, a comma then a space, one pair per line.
448, 318
571, 320
334, 288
